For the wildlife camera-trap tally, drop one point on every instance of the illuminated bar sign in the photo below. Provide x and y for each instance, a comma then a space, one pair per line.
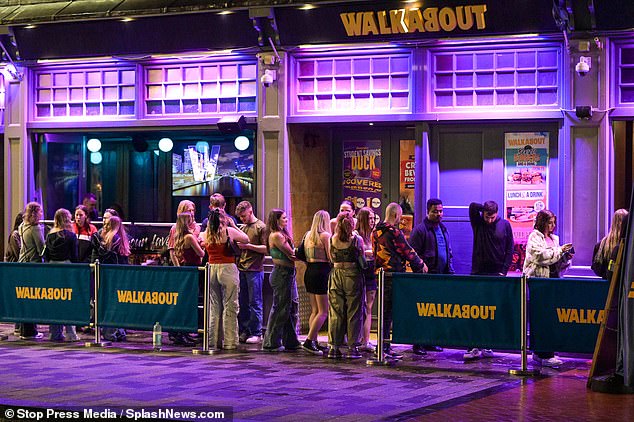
403, 21
397, 21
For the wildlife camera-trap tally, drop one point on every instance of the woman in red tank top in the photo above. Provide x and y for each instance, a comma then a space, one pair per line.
225, 281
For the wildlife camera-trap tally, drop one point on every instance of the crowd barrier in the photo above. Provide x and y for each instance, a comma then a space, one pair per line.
467, 311
476, 311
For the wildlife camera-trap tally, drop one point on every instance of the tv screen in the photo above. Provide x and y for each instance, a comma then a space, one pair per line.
200, 168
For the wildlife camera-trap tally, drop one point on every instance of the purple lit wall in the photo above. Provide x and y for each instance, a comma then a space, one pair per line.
109, 91
501, 78
356, 84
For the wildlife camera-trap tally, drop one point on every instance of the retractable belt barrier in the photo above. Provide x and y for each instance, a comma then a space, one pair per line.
51, 293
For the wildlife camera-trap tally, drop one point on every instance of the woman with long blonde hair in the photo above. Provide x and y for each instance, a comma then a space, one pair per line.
316, 242
603, 250
184, 206
225, 281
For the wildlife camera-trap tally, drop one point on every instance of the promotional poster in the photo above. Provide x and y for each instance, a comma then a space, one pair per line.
362, 173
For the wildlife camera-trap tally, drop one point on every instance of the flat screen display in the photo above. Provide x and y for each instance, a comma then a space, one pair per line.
200, 168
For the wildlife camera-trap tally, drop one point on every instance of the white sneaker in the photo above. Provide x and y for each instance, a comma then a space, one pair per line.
487, 353
550, 362
254, 340
472, 354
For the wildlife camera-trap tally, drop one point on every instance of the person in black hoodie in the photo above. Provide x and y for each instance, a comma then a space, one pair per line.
61, 247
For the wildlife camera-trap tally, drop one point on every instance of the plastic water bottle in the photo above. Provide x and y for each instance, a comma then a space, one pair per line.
157, 337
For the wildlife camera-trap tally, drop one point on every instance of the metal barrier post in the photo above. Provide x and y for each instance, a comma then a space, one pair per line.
524, 371
97, 342
205, 346
380, 352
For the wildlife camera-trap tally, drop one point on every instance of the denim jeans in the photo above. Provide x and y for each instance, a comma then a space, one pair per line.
224, 288
55, 332
250, 315
281, 329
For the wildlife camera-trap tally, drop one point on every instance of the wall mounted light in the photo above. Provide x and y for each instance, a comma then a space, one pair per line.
165, 144
95, 158
241, 143
93, 145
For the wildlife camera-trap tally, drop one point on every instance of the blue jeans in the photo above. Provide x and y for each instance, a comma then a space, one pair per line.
250, 316
284, 316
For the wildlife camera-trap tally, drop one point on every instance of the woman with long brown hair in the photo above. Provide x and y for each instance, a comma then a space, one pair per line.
346, 290
281, 331
366, 221
225, 281
61, 247
546, 259
32, 245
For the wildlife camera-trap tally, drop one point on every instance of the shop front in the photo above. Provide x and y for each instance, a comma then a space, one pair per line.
372, 102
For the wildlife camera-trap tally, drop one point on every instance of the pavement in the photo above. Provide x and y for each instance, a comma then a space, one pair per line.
249, 384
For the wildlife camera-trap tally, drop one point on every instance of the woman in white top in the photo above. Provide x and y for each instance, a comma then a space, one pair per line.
546, 259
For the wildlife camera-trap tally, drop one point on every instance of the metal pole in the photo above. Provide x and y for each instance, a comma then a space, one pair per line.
98, 342
524, 371
380, 353
205, 346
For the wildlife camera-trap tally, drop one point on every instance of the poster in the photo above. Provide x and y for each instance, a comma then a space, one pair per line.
362, 173
526, 184
407, 180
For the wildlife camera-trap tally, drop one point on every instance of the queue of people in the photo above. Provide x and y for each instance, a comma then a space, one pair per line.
343, 256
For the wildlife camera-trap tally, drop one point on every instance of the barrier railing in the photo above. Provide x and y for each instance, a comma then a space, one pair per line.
469, 311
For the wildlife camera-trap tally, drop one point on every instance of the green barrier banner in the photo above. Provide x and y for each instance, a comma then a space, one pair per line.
565, 314
138, 296
45, 293
469, 311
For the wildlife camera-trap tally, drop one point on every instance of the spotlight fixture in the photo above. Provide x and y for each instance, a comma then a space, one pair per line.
241, 143
93, 145
166, 144
231, 124
95, 158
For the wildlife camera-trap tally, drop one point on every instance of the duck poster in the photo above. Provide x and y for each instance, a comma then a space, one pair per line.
526, 184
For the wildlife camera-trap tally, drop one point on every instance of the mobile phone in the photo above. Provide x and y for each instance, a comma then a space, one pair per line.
572, 250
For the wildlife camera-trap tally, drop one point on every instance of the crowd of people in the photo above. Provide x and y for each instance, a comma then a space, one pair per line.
342, 257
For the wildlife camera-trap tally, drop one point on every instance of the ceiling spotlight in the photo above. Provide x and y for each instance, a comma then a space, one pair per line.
95, 157
241, 143
93, 145
166, 144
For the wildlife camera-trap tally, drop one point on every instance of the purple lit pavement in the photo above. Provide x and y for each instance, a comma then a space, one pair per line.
293, 386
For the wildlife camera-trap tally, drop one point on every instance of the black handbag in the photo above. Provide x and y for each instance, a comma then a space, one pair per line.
232, 245
300, 252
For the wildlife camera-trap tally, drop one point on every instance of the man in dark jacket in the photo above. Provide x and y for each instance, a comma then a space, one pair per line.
391, 252
492, 240
430, 240
492, 250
